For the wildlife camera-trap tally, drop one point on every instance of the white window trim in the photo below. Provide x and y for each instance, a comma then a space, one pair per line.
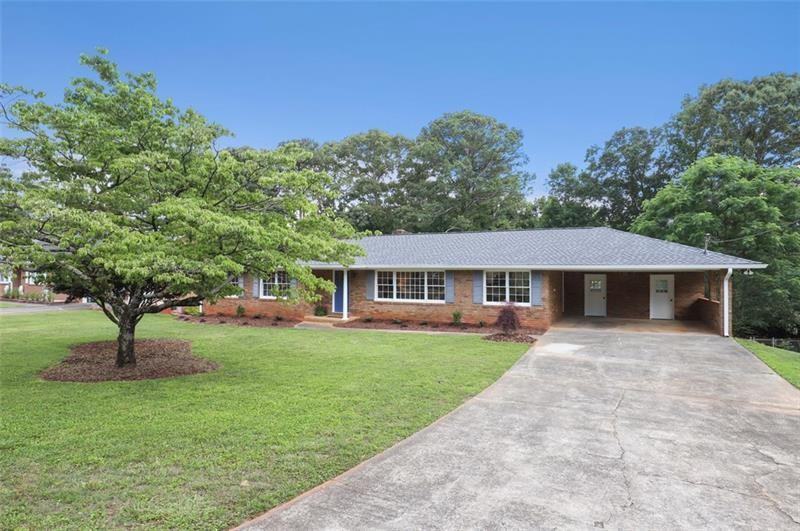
241, 287
508, 288
269, 297
394, 298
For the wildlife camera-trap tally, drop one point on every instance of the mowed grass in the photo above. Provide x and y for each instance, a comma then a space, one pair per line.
4, 304
287, 410
784, 362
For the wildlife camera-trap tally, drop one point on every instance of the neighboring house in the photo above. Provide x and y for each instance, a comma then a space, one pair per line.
546, 273
26, 283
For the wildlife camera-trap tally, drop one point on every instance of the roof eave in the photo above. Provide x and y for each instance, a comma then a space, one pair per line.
610, 268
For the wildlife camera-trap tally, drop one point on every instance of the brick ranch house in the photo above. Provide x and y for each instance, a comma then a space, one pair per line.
546, 273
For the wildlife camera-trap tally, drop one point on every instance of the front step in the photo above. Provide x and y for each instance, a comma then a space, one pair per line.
326, 319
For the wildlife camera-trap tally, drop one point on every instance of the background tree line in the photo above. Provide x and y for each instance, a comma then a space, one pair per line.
726, 164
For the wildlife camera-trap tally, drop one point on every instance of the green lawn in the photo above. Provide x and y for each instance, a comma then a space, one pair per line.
784, 362
4, 304
287, 410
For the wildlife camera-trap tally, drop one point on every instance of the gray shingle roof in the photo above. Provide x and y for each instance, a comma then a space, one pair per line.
591, 248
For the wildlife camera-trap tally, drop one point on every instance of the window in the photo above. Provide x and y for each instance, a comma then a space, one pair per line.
662, 286
385, 285
276, 285
501, 287
595, 285
236, 281
410, 285
416, 286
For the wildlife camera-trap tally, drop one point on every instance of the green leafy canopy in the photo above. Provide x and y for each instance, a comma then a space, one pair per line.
129, 200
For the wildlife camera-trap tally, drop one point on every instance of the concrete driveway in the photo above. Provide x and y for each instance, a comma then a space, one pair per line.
22, 307
590, 429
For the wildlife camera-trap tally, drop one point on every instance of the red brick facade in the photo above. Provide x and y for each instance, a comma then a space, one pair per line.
628, 296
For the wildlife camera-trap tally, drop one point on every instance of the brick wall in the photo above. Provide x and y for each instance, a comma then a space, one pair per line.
628, 294
267, 307
538, 317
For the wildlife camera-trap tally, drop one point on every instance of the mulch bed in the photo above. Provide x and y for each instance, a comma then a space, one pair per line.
155, 358
511, 338
238, 321
381, 324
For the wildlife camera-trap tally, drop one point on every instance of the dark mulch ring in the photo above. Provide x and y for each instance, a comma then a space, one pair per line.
239, 321
155, 358
510, 338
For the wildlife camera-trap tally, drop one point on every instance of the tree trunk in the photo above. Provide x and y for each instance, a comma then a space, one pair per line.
125, 352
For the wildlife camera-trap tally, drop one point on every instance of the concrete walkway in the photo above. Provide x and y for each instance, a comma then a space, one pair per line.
590, 429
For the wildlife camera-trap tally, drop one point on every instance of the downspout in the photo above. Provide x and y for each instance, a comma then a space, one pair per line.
344, 294
726, 303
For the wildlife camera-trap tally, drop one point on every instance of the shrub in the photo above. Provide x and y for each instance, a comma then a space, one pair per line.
278, 318
423, 323
367, 319
457, 318
257, 316
397, 321
482, 324
191, 310
320, 310
240, 311
13, 293
508, 319
50, 296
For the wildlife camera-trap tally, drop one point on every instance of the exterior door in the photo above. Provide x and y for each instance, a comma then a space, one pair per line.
662, 296
594, 300
338, 294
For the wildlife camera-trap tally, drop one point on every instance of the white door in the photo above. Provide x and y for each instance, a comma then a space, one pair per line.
662, 296
594, 300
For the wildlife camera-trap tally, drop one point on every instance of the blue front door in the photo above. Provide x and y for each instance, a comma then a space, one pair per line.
338, 296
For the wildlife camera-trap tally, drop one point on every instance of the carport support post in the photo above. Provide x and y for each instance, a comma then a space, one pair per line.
344, 294
726, 303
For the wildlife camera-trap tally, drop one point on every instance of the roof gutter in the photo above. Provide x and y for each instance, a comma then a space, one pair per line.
506, 267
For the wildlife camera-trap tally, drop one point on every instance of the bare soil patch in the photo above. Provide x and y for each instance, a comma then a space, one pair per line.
511, 338
155, 358
238, 321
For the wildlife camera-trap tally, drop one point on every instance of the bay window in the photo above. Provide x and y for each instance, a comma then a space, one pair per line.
501, 287
410, 286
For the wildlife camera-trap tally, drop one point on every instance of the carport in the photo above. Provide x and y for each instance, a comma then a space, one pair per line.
692, 296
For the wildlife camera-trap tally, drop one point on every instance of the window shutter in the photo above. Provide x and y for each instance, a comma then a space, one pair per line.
256, 287
370, 276
536, 288
477, 287
449, 287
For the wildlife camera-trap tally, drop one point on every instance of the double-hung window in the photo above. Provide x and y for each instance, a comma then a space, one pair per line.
410, 286
501, 287
276, 285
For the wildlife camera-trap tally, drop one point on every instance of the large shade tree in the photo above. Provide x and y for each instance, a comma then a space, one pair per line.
748, 211
465, 171
129, 201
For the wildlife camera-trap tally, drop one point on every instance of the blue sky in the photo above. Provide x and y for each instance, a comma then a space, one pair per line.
567, 74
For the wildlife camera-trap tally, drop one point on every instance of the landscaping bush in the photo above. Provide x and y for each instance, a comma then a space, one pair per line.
191, 310
240, 311
367, 319
320, 310
457, 318
508, 319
